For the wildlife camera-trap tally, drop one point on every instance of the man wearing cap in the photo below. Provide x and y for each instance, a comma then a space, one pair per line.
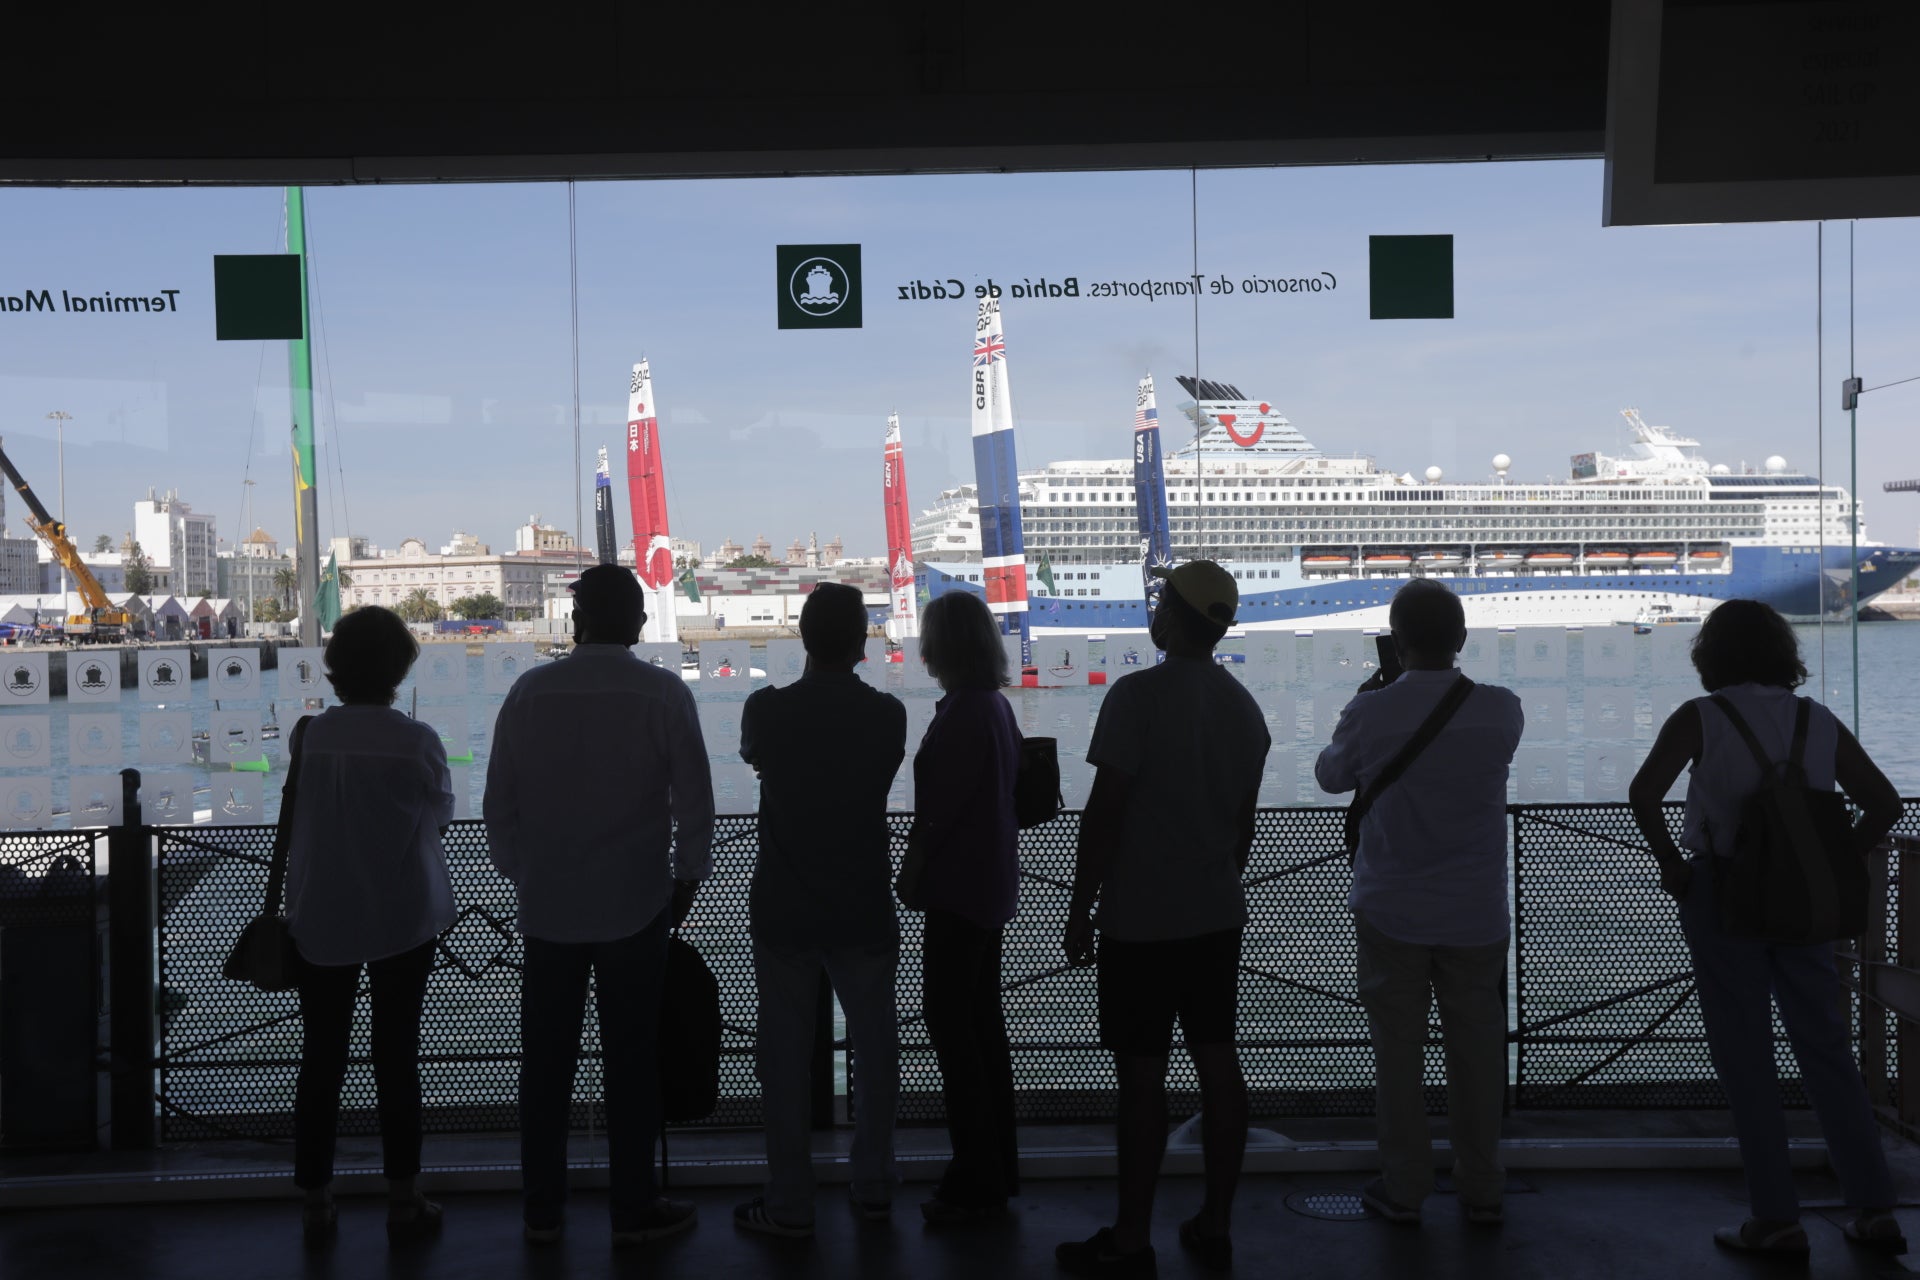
595, 761
1178, 752
1429, 899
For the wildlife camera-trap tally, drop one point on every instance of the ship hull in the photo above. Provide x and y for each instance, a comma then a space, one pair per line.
1278, 596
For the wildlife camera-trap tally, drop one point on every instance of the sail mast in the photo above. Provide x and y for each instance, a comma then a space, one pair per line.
906, 610
647, 495
306, 507
605, 542
1003, 554
1150, 491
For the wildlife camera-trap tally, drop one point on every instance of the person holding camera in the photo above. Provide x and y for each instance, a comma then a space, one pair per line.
1427, 752
1178, 752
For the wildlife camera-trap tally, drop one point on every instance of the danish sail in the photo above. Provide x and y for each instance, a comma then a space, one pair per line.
905, 611
1150, 491
605, 542
1003, 554
647, 493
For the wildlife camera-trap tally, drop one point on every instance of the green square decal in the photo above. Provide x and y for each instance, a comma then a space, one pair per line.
256, 296
1410, 277
818, 285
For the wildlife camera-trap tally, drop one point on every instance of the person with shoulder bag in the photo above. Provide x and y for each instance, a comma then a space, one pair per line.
367, 886
1772, 875
1426, 753
962, 869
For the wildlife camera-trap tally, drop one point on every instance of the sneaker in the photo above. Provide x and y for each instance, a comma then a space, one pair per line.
662, 1218
1374, 1196
1098, 1256
1876, 1229
1215, 1252
419, 1219
870, 1210
1756, 1235
753, 1216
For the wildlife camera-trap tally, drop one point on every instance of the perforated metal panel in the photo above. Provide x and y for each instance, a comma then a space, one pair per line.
46, 877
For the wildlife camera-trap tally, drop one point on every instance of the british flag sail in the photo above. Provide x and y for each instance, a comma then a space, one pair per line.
647, 492
606, 543
1150, 491
905, 611
1003, 554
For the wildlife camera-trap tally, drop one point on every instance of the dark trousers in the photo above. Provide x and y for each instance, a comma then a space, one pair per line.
960, 971
396, 989
627, 974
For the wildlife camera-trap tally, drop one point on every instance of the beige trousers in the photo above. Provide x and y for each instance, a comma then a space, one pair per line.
1399, 983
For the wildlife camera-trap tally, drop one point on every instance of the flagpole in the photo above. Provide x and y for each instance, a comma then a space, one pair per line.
306, 507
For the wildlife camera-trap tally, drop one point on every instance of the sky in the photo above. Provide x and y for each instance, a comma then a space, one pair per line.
446, 378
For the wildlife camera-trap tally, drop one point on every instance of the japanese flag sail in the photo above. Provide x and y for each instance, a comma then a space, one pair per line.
606, 542
1003, 553
647, 493
905, 612
1150, 490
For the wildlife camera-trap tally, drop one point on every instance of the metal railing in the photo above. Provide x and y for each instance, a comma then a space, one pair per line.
1601, 1008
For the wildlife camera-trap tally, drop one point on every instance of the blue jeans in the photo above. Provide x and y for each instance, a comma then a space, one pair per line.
627, 974
1740, 980
863, 979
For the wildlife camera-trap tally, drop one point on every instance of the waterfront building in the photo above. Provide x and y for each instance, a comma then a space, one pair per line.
248, 573
465, 567
179, 542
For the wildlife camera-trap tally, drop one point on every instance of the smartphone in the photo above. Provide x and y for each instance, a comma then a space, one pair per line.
1389, 657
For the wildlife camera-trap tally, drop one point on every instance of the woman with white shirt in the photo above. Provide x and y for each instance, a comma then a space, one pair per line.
367, 885
1748, 655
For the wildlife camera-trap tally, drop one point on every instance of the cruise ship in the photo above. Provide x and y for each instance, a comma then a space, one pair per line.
1324, 541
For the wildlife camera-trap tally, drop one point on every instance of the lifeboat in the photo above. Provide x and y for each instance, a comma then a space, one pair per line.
1388, 560
1608, 557
1655, 557
1438, 559
1550, 557
1707, 556
1324, 561
1500, 559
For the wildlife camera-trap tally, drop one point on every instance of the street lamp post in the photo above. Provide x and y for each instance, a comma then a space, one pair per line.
60, 418
246, 557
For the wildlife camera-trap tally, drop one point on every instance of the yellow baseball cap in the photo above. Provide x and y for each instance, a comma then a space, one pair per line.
1206, 587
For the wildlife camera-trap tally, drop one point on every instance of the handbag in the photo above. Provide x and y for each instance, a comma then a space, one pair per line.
1036, 783
1422, 738
690, 1032
264, 954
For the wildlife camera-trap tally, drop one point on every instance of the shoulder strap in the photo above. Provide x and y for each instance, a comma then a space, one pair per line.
1422, 738
283, 831
1760, 756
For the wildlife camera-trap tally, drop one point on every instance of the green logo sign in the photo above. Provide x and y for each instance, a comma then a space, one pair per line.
818, 286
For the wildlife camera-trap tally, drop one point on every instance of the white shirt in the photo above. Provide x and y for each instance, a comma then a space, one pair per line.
1727, 774
1432, 867
1194, 742
596, 757
366, 873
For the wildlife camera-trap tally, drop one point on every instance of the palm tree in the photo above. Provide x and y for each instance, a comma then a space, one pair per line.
287, 582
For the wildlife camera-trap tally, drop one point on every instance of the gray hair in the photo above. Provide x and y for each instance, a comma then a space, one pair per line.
960, 643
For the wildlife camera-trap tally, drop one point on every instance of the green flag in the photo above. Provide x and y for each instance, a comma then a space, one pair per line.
1046, 573
693, 588
326, 601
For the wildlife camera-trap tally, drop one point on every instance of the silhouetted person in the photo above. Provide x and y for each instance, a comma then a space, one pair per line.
963, 777
1747, 654
367, 885
826, 747
1429, 901
595, 760
1177, 751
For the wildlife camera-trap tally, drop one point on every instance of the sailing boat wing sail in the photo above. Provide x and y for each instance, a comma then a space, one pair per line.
1003, 556
647, 484
606, 543
905, 609
1150, 490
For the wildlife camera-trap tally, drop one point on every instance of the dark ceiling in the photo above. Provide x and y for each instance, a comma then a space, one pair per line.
318, 94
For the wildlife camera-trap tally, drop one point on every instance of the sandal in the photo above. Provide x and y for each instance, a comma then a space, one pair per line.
1215, 1252
1756, 1235
1875, 1229
416, 1220
753, 1216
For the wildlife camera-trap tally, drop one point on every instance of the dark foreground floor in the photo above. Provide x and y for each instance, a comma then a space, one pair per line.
1559, 1224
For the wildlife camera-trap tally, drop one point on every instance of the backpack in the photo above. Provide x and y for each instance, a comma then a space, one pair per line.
689, 1042
1794, 875
1036, 783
